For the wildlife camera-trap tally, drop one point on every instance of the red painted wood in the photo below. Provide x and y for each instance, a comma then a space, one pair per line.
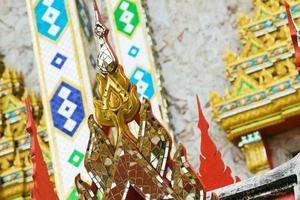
42, 187
213, 173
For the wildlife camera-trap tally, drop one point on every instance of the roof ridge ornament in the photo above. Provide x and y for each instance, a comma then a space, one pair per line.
107, 60
123, 164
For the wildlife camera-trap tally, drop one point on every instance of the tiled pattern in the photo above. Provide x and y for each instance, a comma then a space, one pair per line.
65, 83
126, 17
155, 143
51, 18
73, 195
133, 51
132, 41
76, 158
58, 60
143, 80
67, 109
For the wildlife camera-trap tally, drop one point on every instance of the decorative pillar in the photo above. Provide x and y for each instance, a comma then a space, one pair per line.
255, 153
61, 30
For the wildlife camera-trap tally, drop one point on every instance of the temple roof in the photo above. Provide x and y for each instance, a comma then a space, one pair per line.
265, 83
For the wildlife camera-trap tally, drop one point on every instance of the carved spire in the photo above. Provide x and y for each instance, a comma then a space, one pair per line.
42, 187
211, 158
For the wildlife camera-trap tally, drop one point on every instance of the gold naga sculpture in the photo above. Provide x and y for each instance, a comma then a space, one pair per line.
123, 164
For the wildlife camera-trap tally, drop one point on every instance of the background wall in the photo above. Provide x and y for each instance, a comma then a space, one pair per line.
191, 37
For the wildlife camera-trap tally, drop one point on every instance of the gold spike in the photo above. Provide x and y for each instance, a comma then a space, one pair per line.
214, 97
25, 94
228, 93
7, 131
33, 99
17, 161
27, 163
14, 74
229, 57
42, 122
242, 20
6, 75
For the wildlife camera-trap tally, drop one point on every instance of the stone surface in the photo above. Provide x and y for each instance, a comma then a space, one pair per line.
191, 37
16, 41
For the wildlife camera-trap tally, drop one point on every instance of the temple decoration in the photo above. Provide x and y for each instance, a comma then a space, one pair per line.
62, 40
133, 43
16, 169
42, 186
264, 98
211, 158
255, 153
123, 164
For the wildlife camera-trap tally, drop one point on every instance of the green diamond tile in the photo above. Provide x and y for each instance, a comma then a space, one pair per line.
73, 195
76, 158
99, 195
126, 17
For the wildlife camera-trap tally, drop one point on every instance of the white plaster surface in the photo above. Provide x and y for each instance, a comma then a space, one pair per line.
191, 37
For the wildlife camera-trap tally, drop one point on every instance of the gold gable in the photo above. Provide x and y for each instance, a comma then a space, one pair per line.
262, 11
253, 46
11, 103
244, 85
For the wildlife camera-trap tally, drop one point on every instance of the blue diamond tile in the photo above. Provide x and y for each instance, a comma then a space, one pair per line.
144, 83
59, 60
67, 109
133, 51
51, 18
